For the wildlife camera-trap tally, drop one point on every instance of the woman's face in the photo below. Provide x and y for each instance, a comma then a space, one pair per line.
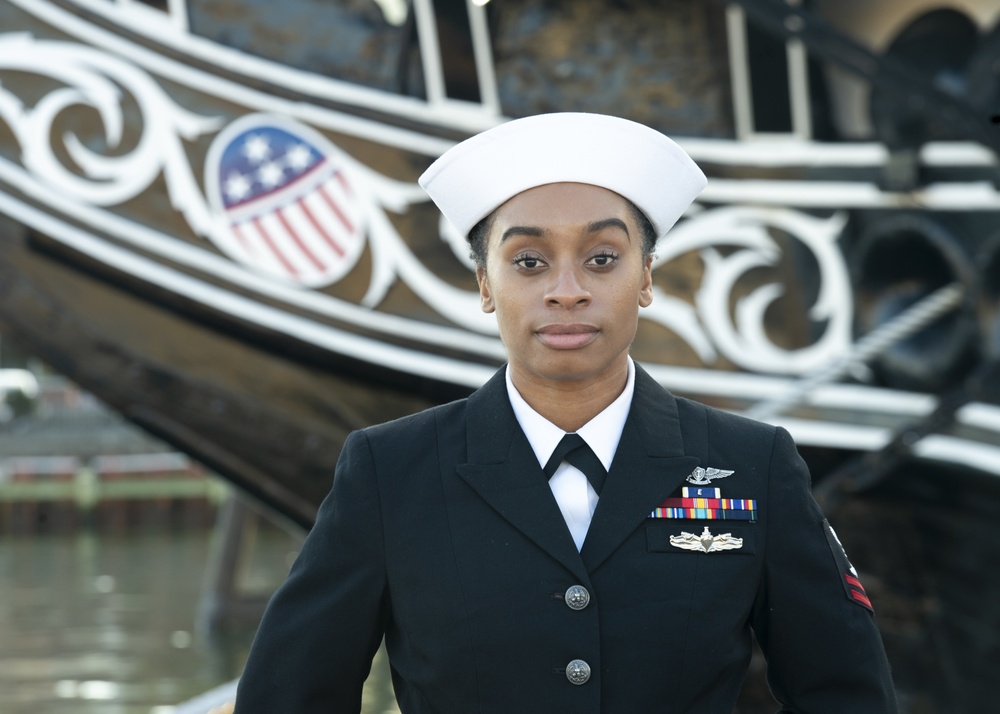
566, 276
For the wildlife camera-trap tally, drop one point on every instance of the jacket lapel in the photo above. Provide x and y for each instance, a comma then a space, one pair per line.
503, 470
649, 465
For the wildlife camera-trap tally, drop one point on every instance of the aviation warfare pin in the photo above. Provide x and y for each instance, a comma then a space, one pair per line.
703, 477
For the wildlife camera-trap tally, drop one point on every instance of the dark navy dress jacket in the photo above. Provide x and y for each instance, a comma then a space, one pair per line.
441, 535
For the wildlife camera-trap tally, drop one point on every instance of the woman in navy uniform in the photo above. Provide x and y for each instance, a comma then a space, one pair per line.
571, 538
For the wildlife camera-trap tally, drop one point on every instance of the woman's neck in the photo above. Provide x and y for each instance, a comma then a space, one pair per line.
569, 404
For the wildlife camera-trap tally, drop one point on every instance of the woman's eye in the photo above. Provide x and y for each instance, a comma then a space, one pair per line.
603, 259
529, 262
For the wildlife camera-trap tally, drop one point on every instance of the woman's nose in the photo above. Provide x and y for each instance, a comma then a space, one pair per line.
567, 290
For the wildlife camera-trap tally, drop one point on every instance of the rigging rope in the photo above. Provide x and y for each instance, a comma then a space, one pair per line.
869, 347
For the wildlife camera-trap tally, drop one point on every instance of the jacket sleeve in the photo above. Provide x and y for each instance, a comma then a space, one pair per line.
823, 649
315, 644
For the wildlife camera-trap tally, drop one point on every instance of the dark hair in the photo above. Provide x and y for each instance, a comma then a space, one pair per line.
479, 235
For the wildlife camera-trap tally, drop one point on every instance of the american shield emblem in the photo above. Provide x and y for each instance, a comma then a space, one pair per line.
285, 203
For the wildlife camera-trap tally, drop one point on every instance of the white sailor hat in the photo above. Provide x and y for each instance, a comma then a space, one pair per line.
476, 176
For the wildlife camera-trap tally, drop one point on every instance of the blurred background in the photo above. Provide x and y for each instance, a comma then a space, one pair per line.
215, 263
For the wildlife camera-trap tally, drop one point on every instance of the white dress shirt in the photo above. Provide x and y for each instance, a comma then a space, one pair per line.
576, 497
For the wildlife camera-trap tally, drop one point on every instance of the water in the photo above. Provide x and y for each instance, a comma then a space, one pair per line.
98, 623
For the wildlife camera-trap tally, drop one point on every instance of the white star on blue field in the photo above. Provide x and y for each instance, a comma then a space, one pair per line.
261, 160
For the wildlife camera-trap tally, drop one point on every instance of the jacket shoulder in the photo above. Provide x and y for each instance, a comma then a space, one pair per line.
420, 425
698, 419
718, 434
689, 409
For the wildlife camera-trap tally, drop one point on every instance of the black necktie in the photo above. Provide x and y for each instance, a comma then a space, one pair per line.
574, 449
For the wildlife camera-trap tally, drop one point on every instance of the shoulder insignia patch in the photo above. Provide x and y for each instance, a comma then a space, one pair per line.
848, 575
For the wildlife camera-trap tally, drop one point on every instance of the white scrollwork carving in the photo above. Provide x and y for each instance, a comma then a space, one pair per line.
393, 258
744, 340
98, 81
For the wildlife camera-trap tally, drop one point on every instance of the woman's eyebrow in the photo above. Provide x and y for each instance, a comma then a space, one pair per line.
522, 231
592, 227
597, 226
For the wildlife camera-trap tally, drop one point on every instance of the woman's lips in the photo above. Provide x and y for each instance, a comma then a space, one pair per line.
567, 337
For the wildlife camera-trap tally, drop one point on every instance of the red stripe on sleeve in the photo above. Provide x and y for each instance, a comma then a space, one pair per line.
861, 598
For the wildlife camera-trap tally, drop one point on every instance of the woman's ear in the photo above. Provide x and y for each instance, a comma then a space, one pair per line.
646, 289
485, 297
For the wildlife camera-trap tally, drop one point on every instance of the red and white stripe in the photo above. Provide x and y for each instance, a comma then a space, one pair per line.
312, 236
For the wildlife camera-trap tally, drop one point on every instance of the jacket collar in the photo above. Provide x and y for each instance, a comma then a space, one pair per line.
648, 466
